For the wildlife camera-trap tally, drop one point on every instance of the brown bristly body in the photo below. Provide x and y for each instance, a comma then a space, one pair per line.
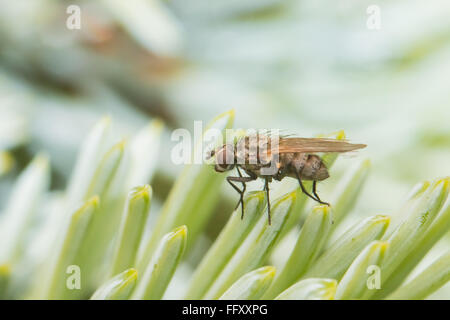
288, 157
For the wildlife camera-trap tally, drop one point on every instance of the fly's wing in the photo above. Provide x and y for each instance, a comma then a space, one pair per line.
313, 145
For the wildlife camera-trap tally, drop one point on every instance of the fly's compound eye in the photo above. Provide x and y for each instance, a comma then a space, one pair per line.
224, 159
209, 154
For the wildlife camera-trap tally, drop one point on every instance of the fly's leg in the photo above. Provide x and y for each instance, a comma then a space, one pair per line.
230, 181
243, 180
241, 199
266, 188
317, 196
251, 177
304, 190
298, 166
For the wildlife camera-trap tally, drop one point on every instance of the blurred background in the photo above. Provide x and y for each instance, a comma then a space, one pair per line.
309, 67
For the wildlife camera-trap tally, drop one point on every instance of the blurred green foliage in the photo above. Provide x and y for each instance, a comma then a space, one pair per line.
308, 67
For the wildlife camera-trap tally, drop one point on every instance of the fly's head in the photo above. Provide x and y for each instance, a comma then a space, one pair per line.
224, 158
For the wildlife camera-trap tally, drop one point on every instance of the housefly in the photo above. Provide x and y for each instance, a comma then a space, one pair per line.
275, 158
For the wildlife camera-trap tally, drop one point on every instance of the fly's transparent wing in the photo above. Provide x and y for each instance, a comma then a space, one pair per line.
312, 145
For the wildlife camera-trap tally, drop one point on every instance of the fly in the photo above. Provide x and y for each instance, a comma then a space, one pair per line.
263, 156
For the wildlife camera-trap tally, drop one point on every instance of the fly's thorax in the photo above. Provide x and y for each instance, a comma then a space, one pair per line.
254, 150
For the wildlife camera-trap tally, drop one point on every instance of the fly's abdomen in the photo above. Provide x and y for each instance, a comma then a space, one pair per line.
309, 166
